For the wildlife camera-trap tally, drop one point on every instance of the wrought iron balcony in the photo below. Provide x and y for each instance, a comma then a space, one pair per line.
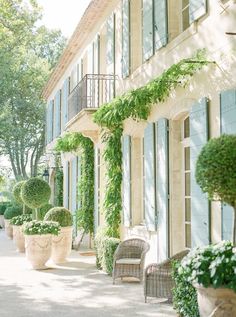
91, 92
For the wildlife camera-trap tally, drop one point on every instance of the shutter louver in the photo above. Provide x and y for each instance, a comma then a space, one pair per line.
197, 8
125, 38
126, 153
160, 23
111, 40
200, 207
147, 16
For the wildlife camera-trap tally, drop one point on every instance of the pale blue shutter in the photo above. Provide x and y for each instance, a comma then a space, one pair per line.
197, 8
160, 23
51, 121
149, 178
74, 192
96, 55
65, 185
228, 126
200, 207
58, 113
96, 189
111, 40
47, 135
65, 95
147, 17
80, 70
162, 181
125, 38
126, 154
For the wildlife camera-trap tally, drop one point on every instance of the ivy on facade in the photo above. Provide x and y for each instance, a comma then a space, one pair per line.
58, 196
73, 142
135, 104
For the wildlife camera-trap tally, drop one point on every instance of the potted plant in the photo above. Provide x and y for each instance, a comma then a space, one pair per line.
17, 194
61, 244
43, 210
18, 236
216, 175
211, 269
3, 207
38, 241
10, 212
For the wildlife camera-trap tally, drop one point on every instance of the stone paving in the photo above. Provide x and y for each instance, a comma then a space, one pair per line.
75, 288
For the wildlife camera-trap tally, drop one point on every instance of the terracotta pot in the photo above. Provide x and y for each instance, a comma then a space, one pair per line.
2, 224
19, 238
220, 302
8, 228
38, 250
61, 245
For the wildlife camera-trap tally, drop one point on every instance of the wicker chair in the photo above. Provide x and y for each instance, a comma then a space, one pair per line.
158, 281
129, 259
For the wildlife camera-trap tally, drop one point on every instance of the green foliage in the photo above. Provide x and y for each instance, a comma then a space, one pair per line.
216, 169
73, 142
105, 249
17, 192
41, 227
135, 104
58, 187
43, 210
13, 211
20, 220
61, 215
211, 266
36, 192
3, 207
184, 294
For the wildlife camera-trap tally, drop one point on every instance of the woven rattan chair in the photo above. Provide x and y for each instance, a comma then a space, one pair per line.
158, 281
129, 259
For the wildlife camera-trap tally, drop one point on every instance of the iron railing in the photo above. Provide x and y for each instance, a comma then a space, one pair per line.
91, 92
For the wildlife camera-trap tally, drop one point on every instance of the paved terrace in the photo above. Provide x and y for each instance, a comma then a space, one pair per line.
75, 288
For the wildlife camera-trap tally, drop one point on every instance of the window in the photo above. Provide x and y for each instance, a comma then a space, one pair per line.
185, 14
187, 181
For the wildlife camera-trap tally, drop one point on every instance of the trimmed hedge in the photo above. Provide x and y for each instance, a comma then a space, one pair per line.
13, 211
61, 215
184, 294
105, 248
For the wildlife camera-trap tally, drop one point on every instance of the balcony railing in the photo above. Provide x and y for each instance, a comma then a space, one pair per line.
91, 92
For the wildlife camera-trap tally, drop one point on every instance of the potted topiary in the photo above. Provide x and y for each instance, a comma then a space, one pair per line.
38, 241
216, 175
17, 194
43, 210
61, 245
3, 207
18, 236
10, 212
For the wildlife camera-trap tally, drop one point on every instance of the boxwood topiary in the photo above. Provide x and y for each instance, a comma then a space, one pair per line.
17, 192
13, 211
35, 193
43, 210
60, 214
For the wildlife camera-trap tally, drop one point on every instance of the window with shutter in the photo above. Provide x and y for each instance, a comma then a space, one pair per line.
148, 32
65, 186
111, 41
125, 38
160, 23
197, 8
126, 155
64, 101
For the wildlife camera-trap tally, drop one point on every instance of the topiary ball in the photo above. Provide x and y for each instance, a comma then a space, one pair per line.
17, 192
12, 211
35, 192
60, 214
43, 210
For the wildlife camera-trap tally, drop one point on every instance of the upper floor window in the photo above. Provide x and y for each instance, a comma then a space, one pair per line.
185, 14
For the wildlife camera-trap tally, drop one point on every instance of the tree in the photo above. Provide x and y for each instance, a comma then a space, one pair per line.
27, 55
216, 171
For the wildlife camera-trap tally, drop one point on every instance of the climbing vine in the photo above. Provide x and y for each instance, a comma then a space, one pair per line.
58, 201
73, 142
135, 104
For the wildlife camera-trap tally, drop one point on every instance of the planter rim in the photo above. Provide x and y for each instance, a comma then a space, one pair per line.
38, 235
196, 285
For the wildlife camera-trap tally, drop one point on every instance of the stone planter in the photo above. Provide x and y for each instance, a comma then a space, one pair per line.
19, 238
61, 245
220, 302
2, 224
8, 228
38, 250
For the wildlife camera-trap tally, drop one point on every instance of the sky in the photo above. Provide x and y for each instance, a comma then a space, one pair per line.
63, 14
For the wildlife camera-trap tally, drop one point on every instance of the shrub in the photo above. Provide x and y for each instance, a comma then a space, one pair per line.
17, 192
12, 211
19, 220
105, 249
41, 227
60, 214
216, 171
35, 192
43, 210
184, 294
211, 266
3, 207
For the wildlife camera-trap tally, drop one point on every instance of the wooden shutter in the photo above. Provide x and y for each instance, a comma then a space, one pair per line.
96, 55
47, 135
125, 38
126, 154
65, 95
162, 181
96, 189
149, 178
197, 8
65, 185
147, 17
51, 120
58, 113
228, 126
111, 41
160, 23
200, 207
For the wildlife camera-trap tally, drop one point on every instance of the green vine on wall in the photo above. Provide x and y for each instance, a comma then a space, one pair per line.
58, 200
135, 104
73, 142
